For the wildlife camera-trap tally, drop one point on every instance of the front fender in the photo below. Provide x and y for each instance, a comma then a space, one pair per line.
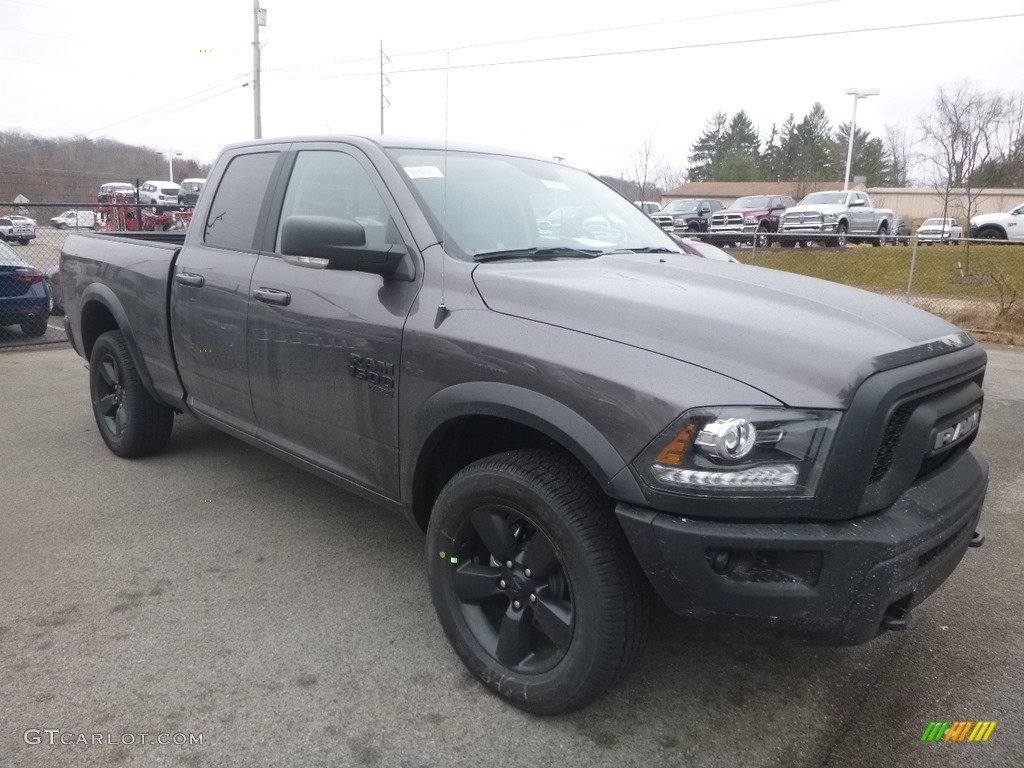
531, 409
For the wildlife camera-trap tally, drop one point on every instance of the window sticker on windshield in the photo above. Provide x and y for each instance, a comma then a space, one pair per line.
424, 172
551, 184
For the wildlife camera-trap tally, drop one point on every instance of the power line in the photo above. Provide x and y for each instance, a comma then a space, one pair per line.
578, 33
665, 49
722, 43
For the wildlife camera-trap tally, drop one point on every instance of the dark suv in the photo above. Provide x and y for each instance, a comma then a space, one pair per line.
190, 191
690, 215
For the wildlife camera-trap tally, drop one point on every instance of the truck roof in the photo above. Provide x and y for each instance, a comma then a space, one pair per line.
391, 142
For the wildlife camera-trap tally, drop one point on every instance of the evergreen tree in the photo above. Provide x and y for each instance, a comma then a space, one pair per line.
708, 149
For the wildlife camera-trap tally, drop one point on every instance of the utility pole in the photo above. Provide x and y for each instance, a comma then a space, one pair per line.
259, 19
383, 81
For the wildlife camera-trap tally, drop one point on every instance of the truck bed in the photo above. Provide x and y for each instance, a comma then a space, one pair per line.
130, 272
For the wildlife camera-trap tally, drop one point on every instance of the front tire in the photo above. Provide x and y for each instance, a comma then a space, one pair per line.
533, 581
841, 239
130, 421
883, 236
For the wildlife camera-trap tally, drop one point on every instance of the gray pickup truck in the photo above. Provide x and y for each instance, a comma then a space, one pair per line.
578, 414
836, 218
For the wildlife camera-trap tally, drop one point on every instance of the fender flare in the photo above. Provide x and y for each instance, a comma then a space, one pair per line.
103, 295
531, 409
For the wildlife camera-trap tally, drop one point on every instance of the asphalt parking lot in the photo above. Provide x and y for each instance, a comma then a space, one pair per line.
214, 591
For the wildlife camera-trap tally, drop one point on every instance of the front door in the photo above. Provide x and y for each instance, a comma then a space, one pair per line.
325, 345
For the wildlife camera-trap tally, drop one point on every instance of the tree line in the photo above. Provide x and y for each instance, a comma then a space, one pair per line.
969, 139
71, 170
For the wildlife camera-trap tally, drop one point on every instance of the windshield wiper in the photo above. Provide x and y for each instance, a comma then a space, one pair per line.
645, 249
540, 253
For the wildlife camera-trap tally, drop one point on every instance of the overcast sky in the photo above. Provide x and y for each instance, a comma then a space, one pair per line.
528, 75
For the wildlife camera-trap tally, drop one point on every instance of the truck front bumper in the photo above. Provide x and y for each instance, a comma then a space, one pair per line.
836, 581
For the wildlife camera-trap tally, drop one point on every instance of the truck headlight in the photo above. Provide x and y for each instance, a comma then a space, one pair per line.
750, 219
709, 451
828, 218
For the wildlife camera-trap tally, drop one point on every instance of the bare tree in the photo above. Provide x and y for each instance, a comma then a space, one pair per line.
646, 169
961, 134
898, 154
671, 176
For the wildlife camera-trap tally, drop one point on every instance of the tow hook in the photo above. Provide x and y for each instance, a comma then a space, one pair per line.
977, 539
896, 619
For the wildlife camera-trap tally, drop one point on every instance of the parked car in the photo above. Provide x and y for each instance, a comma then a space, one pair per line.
18, 218
24, 295
647, 206
74, 220
56, 285
758, 214
16, 228
162, 194
939, 231
901, 232
687, 215
190, 191
704, 250
999, 226
116, 192
834, 218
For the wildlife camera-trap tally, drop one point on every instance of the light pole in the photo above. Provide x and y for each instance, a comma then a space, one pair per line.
170, 162
857, 94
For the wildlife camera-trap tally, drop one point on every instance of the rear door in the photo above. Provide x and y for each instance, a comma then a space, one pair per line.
210, 288
325, 345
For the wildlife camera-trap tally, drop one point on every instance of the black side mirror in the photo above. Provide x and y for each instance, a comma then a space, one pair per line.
340, 243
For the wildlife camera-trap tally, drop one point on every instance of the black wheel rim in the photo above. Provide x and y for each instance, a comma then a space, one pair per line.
512, 589
110, 397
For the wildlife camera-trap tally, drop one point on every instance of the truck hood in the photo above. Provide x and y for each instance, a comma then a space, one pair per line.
986, 218
817, 209
806, 342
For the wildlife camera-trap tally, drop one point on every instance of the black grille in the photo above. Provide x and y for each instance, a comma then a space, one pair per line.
891, 439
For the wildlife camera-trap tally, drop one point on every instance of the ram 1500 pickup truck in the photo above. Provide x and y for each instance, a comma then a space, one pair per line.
577, 418
999, 226
754, 216
835, 218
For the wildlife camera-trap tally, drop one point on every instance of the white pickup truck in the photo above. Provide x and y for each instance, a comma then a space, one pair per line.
999, 226
836, 218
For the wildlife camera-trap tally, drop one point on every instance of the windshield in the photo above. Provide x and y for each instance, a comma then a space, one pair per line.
681, 206
825, 198
488, 204
936, 222
750, 202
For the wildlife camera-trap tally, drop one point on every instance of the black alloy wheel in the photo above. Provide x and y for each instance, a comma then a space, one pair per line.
512, 589
534, 582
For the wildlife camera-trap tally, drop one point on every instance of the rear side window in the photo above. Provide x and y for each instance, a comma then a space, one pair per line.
235, 210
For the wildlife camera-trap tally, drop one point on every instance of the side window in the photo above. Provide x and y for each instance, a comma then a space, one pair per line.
234, 212
329, 183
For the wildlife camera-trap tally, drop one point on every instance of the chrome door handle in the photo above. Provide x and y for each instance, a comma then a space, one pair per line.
190, 278
272, 296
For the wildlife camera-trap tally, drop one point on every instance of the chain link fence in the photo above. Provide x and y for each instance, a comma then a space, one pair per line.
33, 236
977, 284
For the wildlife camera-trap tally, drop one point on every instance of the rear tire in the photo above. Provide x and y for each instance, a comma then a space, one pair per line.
130, 421
883, 236
534, 582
